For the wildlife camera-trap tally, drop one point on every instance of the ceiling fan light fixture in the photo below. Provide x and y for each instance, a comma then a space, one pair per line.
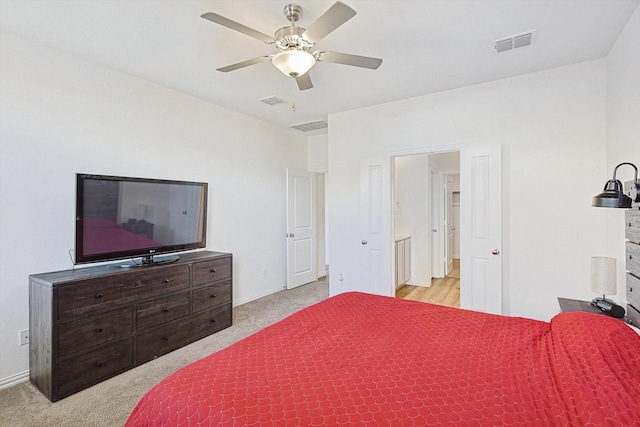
293, 63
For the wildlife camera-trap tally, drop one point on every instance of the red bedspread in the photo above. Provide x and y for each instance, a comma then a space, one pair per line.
358, 359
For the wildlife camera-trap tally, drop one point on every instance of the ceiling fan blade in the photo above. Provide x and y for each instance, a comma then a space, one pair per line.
226, 22
348, 59
304, 81
246, 63
337, 15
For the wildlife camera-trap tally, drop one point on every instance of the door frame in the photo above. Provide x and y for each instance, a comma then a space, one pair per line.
432, 239
467, 285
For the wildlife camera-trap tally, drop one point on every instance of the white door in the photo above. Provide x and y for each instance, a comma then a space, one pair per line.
301, 228
456, 225
448, 215
437, 233
375, 226
481, 229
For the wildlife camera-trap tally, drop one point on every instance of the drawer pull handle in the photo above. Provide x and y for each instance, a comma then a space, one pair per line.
212, 321
165, 339
98, 364
165, 310
98, 295
212, 296
98, 330
213, 270
165, 281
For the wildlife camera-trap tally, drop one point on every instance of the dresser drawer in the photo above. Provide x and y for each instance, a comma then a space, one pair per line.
633, 291
88, 332
167, 338
162, 310
633, 258
103, 292
211, 295
99, 364
210, 271
632, 225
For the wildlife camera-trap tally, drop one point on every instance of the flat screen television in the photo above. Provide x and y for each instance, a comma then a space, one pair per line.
120, 217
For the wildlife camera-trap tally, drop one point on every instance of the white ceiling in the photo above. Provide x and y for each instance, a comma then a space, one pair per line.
427, 46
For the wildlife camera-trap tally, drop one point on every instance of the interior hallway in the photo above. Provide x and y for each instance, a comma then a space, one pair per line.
445, 291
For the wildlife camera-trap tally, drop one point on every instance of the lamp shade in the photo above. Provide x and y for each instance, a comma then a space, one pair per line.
613, 195
603, 275
293, 63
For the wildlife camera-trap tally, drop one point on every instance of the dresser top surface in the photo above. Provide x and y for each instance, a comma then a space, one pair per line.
82, 273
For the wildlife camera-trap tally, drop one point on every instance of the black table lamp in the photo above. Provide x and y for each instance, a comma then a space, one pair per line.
613, 195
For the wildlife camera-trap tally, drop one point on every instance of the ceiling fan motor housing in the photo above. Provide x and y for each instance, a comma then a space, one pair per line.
290, 38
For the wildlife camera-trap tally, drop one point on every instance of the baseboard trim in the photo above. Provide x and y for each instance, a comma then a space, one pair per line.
255, 297
12, 380
420, 283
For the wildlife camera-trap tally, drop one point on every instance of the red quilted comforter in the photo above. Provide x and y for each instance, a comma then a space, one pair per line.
358, 359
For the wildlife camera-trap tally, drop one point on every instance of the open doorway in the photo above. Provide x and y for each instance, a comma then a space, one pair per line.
426, 220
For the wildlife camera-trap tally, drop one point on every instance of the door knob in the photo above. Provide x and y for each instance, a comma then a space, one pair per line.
495, 252
364, 242
291, 235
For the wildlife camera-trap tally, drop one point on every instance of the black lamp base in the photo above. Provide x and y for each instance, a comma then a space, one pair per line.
595, 301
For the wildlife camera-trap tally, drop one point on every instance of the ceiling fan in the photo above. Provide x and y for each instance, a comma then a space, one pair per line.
294, 43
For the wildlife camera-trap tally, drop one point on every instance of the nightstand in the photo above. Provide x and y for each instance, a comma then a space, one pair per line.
567, 304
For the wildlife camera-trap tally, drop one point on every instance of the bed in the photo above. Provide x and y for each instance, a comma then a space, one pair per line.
358, 359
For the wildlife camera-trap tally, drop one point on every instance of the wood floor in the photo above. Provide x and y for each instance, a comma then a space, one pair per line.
444, 291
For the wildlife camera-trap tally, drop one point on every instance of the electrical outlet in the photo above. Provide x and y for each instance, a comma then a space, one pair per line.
24, 337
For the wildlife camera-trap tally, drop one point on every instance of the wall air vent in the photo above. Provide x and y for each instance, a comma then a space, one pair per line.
514, 42
307, 127
272, 100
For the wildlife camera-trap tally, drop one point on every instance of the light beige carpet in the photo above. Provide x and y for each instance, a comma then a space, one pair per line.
110, 402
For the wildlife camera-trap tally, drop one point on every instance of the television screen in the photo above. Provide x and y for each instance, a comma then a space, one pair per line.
120, 217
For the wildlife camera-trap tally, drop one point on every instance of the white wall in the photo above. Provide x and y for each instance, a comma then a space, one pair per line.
321, 250
318, 162
318, 153
623, 131
60, 115
411, 212
552, 127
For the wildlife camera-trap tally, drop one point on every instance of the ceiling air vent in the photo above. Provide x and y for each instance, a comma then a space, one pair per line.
307, 127
272, 100
514, 42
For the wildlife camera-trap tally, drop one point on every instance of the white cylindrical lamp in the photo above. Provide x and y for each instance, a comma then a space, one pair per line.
603, 276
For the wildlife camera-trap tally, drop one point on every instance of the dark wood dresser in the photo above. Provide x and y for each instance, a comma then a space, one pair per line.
632, 234
90, 324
